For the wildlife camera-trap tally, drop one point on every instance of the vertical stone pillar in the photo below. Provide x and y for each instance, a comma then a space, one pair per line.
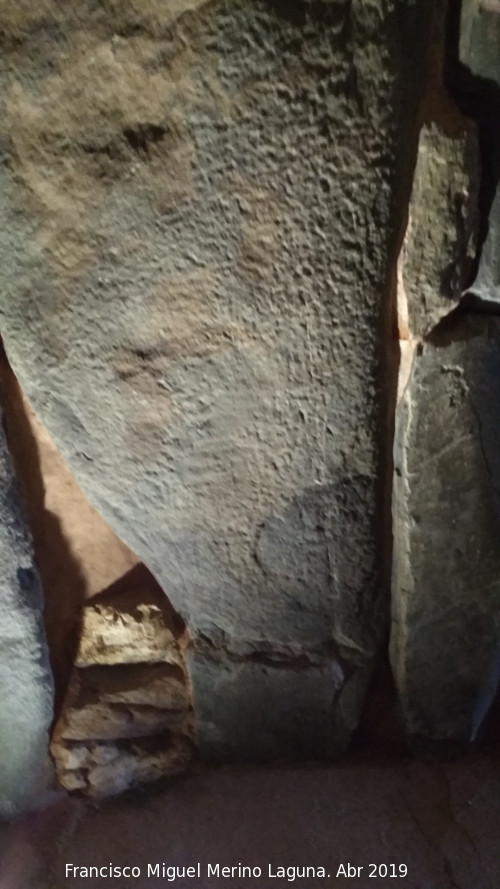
26, 692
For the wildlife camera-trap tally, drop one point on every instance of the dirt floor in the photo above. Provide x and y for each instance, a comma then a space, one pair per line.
439, 822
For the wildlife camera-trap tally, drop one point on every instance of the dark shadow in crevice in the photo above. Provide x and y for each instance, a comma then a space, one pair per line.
380, 735
467, 320
488, 736
412, 52
62, 580
450, 329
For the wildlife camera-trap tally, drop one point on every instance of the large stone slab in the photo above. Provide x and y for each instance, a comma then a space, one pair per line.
26, 692
441, 237
195, 238
445, 641
480, 52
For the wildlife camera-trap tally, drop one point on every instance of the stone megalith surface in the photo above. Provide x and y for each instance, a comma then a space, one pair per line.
445, 640
480, 38
480, 52
441, 237
26, 691
197, 201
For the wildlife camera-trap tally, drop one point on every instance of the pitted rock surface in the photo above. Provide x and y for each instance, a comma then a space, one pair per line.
196, 231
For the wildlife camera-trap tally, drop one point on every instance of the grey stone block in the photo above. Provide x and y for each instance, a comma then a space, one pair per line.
445, 640
26, 691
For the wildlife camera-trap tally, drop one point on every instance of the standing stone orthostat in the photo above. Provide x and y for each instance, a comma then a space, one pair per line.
480, 52
26, 692
196, 219
445, 641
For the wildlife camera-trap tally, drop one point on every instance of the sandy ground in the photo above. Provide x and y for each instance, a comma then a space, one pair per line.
440, 821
